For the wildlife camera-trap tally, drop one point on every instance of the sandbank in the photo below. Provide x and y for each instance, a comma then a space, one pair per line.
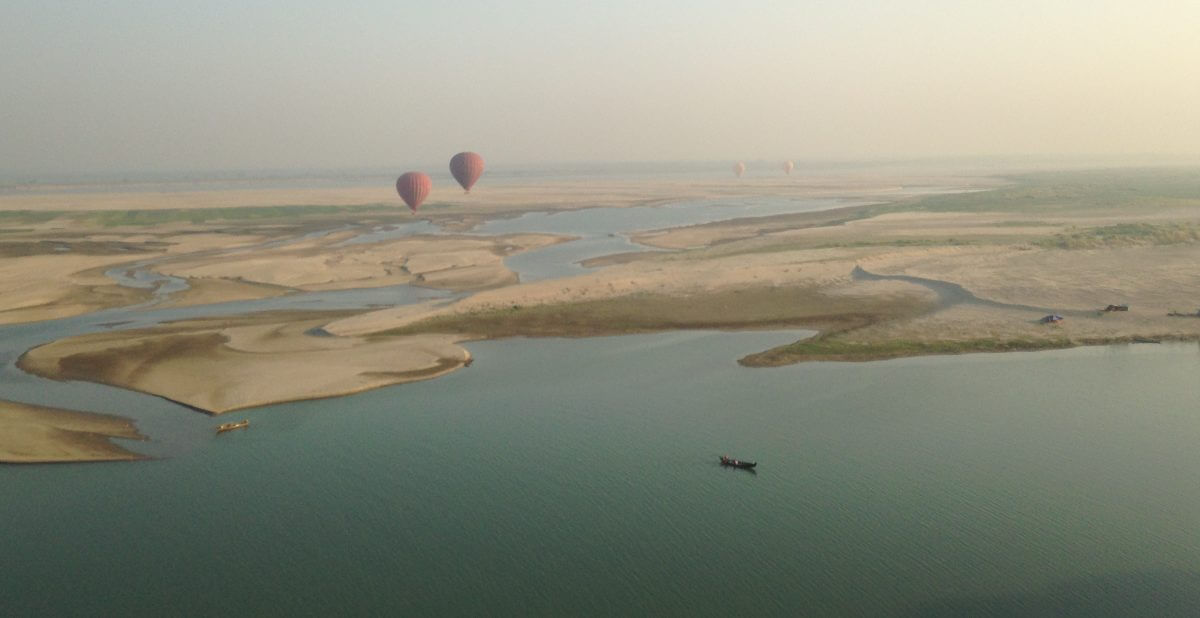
52, 283
220, 365
39, 434
445, 262
213, 290
44, 287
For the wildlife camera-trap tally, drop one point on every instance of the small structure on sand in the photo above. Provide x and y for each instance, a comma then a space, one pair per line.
1116, 308
1053, 318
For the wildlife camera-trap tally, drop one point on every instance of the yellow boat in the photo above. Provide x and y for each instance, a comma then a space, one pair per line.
231, 426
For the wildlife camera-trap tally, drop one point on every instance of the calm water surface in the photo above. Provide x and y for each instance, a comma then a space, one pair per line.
605, 231
577, 477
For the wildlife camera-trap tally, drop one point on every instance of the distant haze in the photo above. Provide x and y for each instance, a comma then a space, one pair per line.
150, 85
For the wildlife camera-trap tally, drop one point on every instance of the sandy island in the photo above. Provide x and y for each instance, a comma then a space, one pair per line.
38, 434
221, 365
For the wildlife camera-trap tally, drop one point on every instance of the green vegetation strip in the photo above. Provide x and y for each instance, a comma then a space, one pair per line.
834, 348
29, 216
232, 213
1124, 235
642, 313
148, 217
1123, 190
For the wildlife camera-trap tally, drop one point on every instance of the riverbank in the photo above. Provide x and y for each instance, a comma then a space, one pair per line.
40, 434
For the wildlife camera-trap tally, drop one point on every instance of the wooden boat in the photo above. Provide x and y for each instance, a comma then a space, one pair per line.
737, 463
242, 424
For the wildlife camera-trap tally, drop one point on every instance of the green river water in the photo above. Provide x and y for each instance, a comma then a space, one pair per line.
580, 477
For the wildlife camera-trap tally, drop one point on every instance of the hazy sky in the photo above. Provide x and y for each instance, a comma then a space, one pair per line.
156, 85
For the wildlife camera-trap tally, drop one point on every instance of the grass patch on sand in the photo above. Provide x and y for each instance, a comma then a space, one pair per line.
835, 348
115, 218
806, 245
642, 313
8, 217
1123, 190
1123, 235
896, 242
143, 218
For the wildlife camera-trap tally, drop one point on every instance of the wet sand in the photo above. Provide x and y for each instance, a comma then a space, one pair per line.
38, 434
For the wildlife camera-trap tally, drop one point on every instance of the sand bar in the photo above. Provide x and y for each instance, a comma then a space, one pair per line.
445, 262
221, 365
39, 434
67, 278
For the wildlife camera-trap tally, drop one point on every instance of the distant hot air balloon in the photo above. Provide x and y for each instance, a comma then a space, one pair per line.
788, 166
466, 167
739, 168
413, 188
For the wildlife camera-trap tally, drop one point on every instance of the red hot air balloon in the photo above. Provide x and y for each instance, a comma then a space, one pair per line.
467, 167
739, 168
413, 188
788, 166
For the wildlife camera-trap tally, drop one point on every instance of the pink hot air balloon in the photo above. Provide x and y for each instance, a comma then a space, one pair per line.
467, 167
413, 188
788, 166
739, 168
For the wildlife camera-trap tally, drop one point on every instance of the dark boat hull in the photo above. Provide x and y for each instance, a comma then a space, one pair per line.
737, 463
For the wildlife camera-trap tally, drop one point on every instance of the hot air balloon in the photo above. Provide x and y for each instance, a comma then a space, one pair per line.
466, 167
739, 168
788, 166
413, 188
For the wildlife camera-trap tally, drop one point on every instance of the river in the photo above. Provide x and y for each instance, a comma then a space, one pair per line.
580, 477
